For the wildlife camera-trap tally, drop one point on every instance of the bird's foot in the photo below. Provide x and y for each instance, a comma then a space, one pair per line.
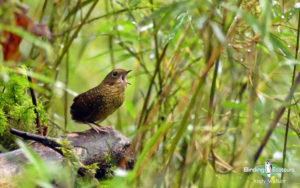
98, 125
98, 128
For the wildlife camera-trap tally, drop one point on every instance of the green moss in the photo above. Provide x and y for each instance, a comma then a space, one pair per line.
16, 109
73, 161
3, 122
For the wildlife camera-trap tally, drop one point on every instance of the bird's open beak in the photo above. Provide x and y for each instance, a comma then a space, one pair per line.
126, 75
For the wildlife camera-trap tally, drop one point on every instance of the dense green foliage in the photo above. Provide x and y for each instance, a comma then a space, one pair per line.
209, 78
16, 108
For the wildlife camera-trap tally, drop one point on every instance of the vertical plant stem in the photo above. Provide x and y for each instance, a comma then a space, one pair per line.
282, 11
142, 116
202, 175
110, 37
183, 122
272, 126
71, 21
278, 115
210, 108
156, 48
43, 10
34, 102
66, 93
289, 109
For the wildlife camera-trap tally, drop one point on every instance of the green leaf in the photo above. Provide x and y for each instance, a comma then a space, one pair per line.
277, 43
251, 20
154, 139
181, 19
157, 14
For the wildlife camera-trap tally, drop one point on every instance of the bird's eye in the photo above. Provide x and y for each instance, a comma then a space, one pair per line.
115, 73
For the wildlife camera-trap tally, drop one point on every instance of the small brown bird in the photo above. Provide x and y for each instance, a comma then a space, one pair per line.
96, 104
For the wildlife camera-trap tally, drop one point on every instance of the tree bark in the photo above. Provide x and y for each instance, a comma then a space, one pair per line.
90, 146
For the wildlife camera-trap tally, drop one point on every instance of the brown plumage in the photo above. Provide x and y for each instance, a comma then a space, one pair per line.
96, 104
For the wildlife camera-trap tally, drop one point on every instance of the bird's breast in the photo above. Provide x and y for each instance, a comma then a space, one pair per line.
110, 102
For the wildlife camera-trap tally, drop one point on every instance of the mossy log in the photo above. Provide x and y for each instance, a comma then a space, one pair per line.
90, 146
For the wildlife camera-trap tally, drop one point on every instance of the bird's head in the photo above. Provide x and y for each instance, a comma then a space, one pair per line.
117, 77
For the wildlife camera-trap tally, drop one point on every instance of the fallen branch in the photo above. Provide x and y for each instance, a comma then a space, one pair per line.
90, 146
40, 139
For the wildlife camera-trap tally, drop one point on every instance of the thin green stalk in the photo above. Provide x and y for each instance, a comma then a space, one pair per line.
147, 99
40, 20
142, 160
272, 126
67, 78
66, 93
110, 37
43, 10
278, 115
78, 6
74, 35
156, 47
183, 123
142, 116
134, 54
289, 109
210, 108
202, 175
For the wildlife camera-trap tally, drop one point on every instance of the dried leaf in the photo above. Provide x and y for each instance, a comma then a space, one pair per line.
11, 42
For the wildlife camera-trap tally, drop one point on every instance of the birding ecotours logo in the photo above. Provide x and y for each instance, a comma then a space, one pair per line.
268, 169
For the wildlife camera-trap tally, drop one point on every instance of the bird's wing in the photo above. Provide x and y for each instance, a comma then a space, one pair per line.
85, 105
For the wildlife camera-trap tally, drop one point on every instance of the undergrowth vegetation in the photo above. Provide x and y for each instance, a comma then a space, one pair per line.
214, 86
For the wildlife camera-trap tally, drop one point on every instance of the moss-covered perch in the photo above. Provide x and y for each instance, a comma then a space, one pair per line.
90, 146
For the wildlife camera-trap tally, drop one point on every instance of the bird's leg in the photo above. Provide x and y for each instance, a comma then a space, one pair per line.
92, 126
99, 127
94, 123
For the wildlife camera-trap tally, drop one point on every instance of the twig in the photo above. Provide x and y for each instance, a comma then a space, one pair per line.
79, 5
40, 139
100, 17
134, 54
284, 25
